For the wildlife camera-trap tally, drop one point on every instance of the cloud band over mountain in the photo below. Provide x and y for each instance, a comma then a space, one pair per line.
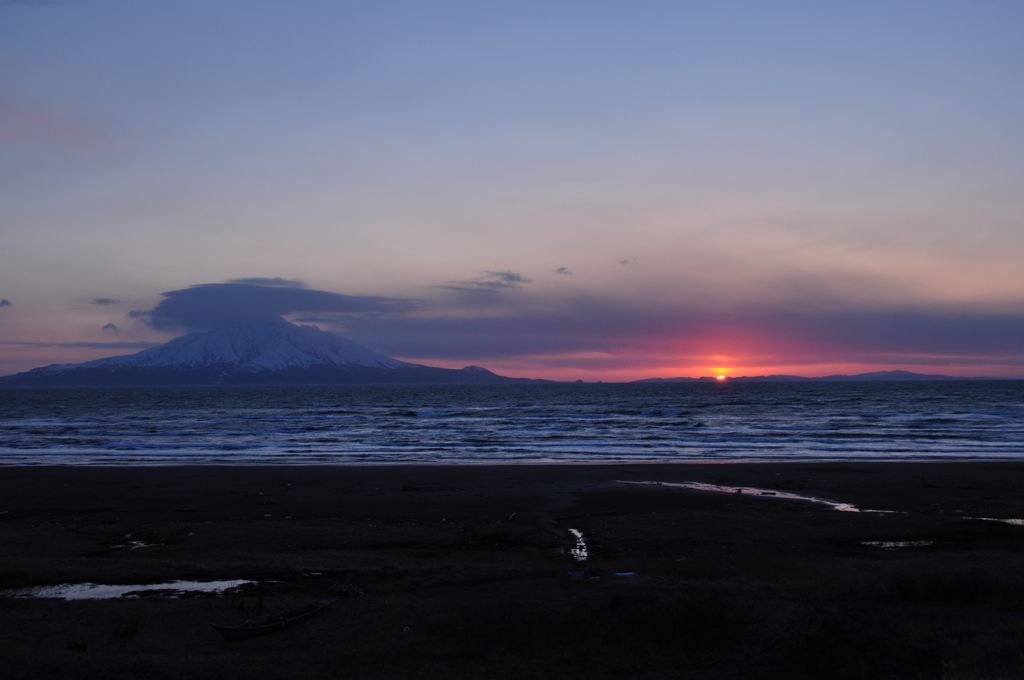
206, 306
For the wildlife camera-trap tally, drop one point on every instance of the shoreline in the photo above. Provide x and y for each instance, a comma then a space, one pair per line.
213, 463
864, 483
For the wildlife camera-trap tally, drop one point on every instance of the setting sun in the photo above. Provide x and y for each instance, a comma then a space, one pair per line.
721, 377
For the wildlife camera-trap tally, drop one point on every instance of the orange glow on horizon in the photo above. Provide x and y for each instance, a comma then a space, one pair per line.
594, 367
721, 377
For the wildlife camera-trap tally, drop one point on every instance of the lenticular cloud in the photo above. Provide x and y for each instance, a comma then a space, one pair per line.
210, 305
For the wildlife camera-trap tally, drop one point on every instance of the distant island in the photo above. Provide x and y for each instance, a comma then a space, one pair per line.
860, 377
265, 351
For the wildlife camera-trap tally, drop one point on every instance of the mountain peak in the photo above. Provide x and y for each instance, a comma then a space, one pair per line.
255, 345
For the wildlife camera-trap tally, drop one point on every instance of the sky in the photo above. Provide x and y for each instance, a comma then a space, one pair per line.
566, 190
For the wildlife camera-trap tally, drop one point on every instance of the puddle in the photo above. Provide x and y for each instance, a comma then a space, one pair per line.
133, 545
579, 553
99, 591
752, 491
1014, 522
896, 545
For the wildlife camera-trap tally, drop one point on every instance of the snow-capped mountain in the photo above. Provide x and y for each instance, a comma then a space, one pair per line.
264, 351
254, 346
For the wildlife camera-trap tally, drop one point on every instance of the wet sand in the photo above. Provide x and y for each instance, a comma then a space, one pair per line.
475, 563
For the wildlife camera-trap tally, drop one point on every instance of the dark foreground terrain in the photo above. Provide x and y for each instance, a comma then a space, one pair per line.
465, 572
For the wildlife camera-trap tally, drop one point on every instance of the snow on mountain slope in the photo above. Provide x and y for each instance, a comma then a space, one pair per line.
252, 346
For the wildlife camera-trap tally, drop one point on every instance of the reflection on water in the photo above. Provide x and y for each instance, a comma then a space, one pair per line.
99, 591
896, 545
752, 491
1015, 522
579, 553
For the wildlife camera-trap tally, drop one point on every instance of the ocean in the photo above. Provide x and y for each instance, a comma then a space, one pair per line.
537, 423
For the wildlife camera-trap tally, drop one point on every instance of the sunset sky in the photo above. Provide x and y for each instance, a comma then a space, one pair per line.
595, 190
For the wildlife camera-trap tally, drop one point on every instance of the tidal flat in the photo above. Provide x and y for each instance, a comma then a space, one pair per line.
518, 571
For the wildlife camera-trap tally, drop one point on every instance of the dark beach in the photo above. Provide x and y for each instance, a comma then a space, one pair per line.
465, 571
